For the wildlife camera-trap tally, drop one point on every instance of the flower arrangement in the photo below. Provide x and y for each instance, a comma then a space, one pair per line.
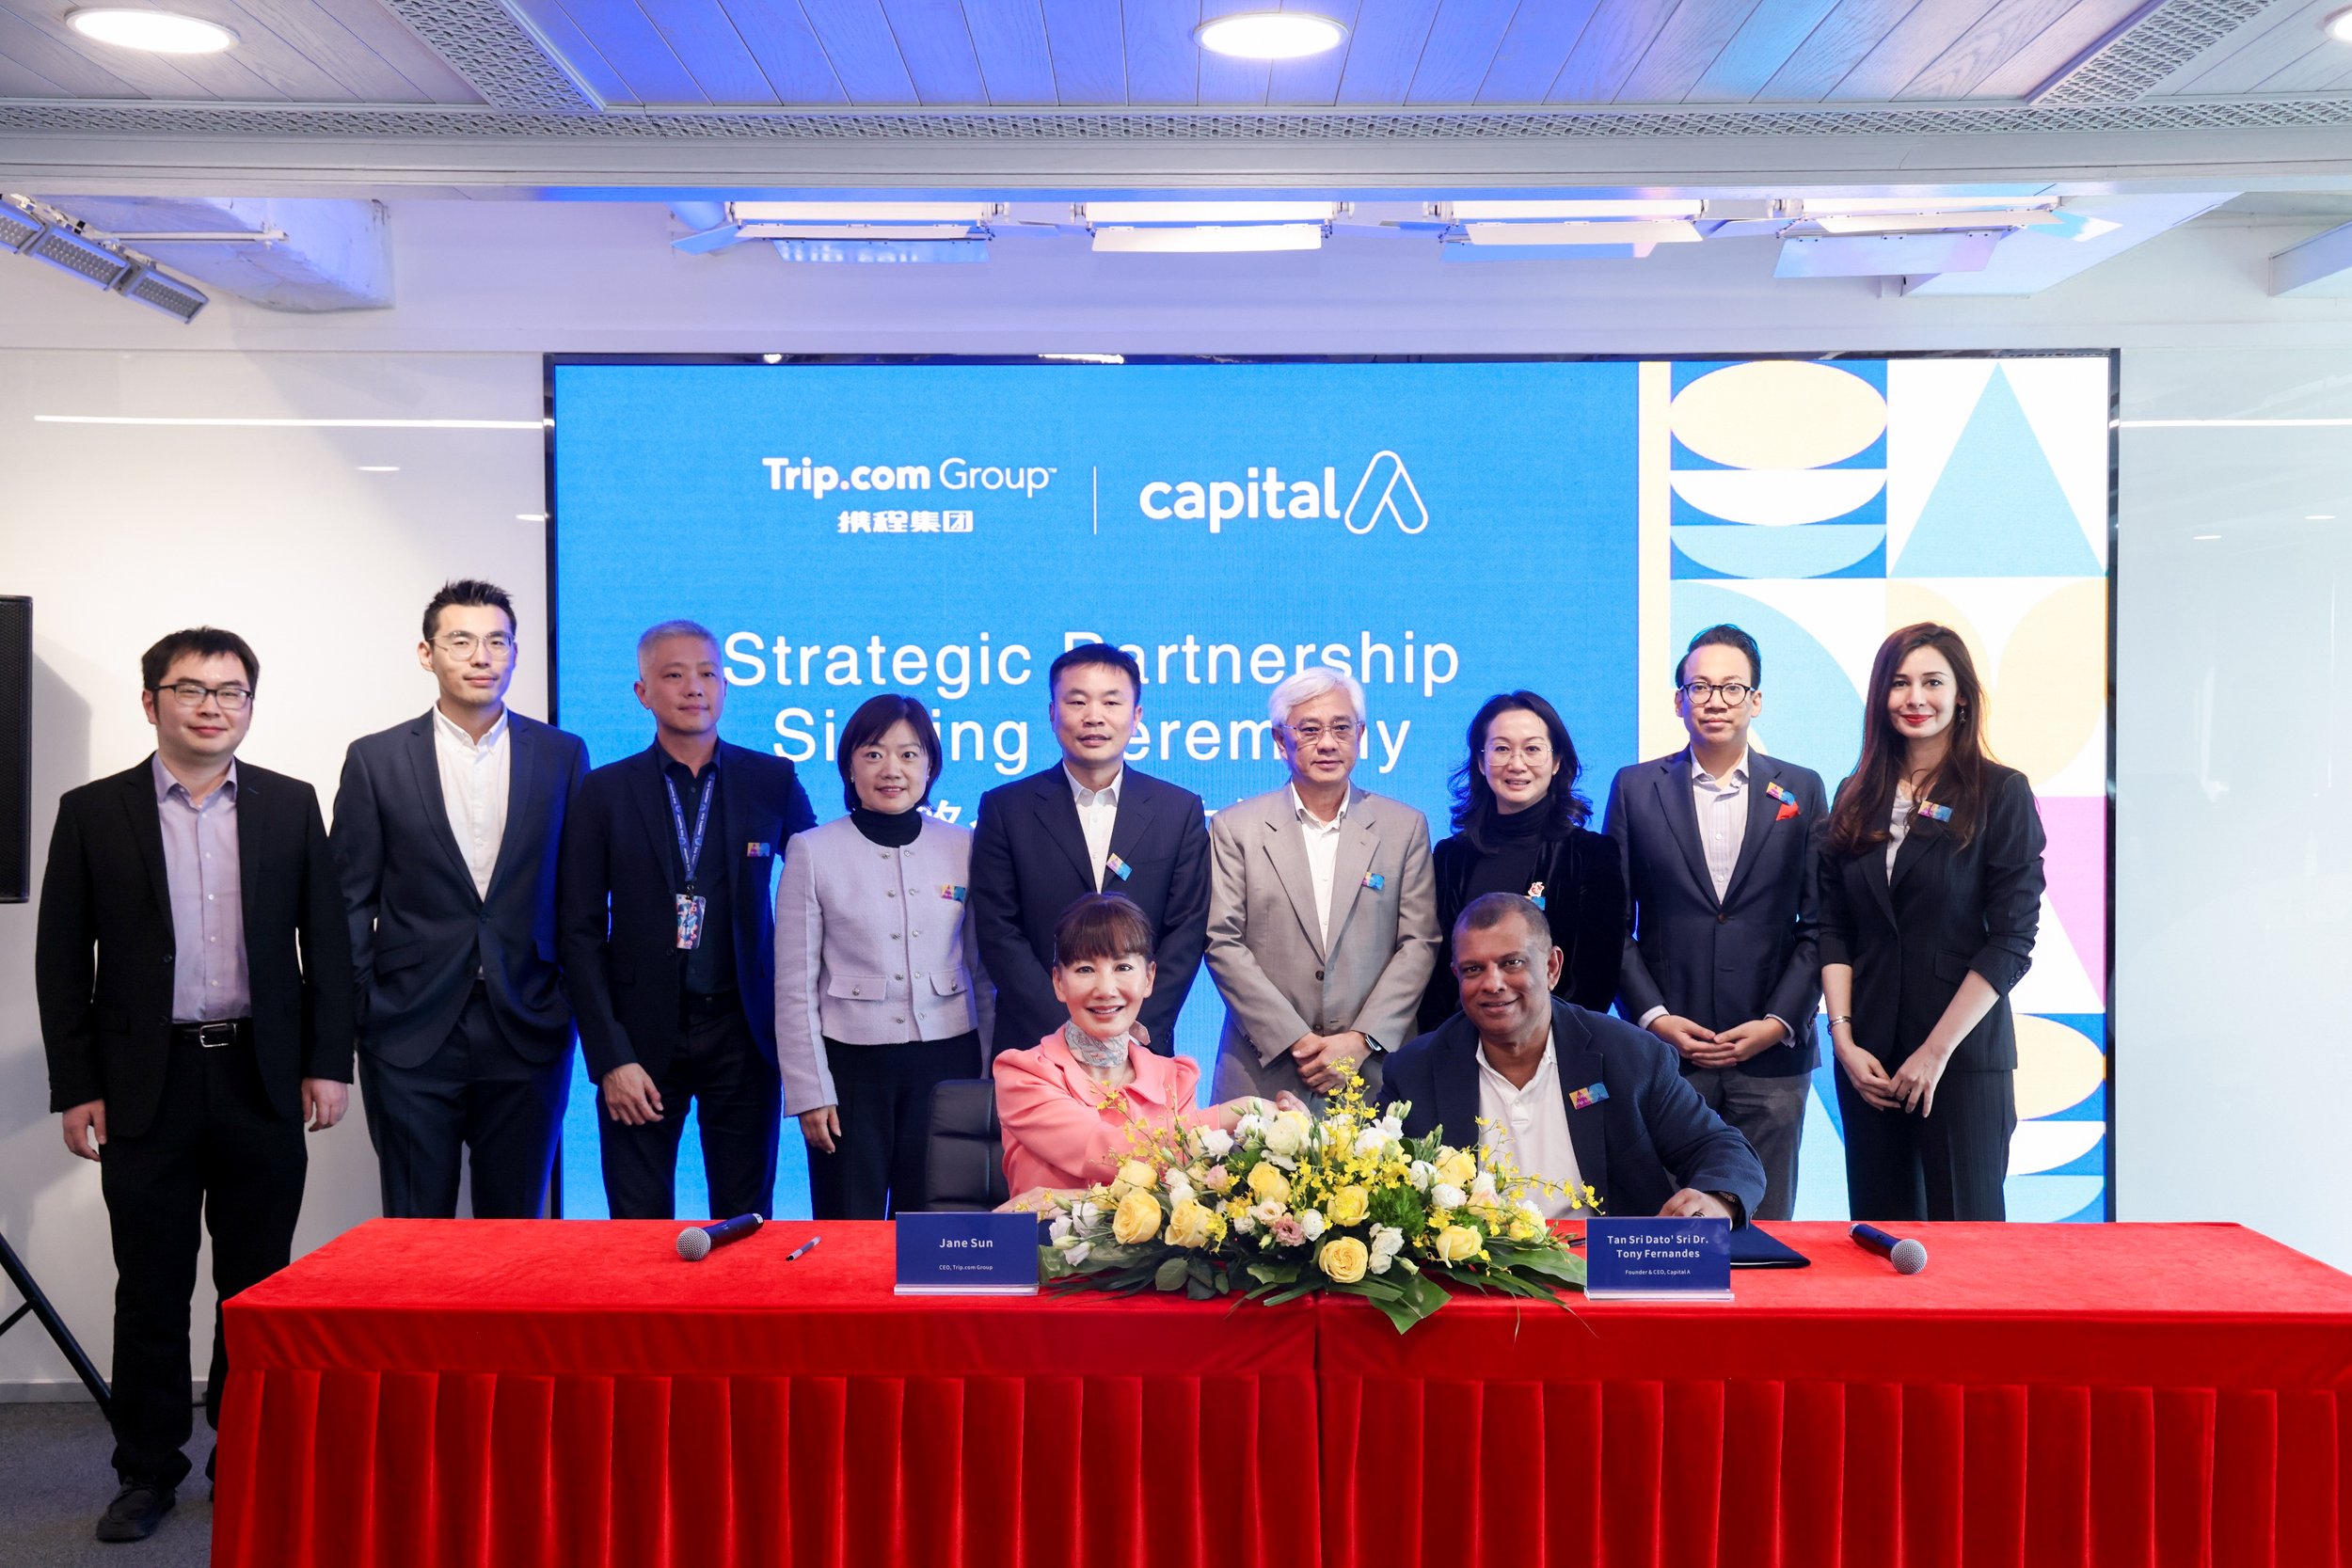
1289, 1203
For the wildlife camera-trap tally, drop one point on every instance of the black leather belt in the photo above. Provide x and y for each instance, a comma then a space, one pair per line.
227, 1031
710, 1003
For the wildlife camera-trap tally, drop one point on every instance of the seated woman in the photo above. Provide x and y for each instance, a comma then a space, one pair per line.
1069, 1104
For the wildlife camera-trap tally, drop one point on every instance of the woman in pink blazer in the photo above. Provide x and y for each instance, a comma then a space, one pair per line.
1071, 1104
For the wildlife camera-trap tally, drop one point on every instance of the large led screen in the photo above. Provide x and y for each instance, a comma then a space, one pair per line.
1442, 530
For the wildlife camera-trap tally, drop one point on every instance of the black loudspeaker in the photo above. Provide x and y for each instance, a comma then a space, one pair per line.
16, 750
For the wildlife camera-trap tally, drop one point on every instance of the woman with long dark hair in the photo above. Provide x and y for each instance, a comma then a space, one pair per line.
1931, 896
1518, 827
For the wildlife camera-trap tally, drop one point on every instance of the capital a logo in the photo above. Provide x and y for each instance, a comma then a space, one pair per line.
1394, 496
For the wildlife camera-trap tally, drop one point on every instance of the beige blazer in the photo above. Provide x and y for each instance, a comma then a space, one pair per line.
1280, 976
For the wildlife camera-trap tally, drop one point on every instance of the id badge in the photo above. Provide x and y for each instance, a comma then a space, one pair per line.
689, 919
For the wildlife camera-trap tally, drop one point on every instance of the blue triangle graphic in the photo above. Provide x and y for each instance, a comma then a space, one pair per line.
1997, 509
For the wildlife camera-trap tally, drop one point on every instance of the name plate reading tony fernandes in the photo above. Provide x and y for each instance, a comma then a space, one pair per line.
967, 1255
1658, 1260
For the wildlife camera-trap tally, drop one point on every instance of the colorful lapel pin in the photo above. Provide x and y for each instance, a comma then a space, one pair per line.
1934, 813
1588, 1097
1375, 882
1119, 868
949, 890
1536, 893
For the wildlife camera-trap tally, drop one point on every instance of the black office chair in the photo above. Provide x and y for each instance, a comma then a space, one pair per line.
964, 1165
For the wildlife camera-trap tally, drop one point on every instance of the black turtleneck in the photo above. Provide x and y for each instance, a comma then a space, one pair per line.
1515, 850
892, 829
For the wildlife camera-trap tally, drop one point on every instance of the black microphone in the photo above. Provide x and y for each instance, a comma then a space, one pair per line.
1909, 1257
695, 1241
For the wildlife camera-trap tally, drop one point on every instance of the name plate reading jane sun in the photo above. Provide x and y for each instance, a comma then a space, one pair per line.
967, 1255
1657, 1259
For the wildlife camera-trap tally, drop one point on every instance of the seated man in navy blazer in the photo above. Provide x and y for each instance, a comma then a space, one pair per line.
1087, 824
1721, 845
1575, 1098
665, 899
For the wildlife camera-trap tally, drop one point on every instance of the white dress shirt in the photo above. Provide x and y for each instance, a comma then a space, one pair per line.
1323, 855
1898, 828
473, 791
1098, 810
1531, 1125
1723, 807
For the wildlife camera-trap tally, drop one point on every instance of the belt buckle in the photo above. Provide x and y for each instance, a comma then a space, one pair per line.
211, 1036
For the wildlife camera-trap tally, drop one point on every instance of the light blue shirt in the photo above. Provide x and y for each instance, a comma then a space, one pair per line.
209, 980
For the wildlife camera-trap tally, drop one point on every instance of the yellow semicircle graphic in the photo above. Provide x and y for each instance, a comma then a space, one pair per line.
2056, 1066
2053, 682
1778, 414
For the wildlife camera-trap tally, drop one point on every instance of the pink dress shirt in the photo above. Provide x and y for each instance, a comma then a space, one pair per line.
1062, 1128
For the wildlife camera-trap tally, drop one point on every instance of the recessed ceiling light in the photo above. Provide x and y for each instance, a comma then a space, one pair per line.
157, 32
2319, 517
379, 468
2339, 26
2200, 538
1270, 35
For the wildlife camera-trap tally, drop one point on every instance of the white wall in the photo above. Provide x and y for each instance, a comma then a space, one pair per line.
2230, 900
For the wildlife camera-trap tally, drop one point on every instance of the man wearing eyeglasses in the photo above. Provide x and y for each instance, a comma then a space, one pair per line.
446, 829
194, 975
1721, 843
1322, 909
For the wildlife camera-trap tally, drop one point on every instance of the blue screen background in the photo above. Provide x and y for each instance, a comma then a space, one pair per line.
665, 504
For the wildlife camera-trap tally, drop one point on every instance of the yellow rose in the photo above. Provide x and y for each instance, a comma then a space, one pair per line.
1457, 1169
1267, 1185
1135, 1173
1348, 1205
1342, 1260
1189, 1226
1137, 1219
1456, 1244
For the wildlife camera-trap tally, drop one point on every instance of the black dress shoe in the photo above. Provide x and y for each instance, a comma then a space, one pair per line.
137, 1509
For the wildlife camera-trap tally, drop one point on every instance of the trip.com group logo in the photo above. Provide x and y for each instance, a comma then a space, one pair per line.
1387, 471
1386, 489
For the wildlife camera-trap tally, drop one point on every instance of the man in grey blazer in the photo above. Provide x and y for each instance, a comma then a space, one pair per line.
446, 828
1323, 908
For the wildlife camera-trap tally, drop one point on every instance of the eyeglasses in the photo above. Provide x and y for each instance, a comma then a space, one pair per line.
1535, 752
191, 694
1306, 735
1732, 692
462, 643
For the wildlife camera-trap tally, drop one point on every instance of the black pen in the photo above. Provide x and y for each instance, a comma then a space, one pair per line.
794, 1256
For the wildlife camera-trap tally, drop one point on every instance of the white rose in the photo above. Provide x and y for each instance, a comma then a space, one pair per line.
1287, 1133
1391, 1125
1380, 1261
1386, 1240
1483, 1188
1215, 1142
1446, 1195
1268, 1211
1179, 1191
1077, 1254
1249, 1127
1312, 1223
1059, 1231
1245, 1224
1370, 1142
1086, 1216
1419, 1175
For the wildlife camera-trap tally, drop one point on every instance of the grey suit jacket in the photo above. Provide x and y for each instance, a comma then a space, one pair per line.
1280, 976
874, 946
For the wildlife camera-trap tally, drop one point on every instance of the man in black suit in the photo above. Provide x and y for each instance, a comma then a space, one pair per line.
194, 976
1090, 824
666, 907
1579, 1099
445, 834
1722, 845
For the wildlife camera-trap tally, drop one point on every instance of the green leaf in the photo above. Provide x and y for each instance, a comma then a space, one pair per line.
1170, 1274
1199, 1271
1195, 1290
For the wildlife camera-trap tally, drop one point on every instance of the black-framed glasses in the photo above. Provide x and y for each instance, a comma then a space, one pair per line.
497, 645
1732, 692
191, 694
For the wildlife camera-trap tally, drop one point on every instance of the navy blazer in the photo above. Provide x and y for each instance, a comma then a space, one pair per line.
1029, 865
1748, 955
1946, 909
615, 891
419, 931
1651, 1137
104, 948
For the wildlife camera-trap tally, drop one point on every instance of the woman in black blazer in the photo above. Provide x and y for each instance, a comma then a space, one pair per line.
1518, 827
1930, 896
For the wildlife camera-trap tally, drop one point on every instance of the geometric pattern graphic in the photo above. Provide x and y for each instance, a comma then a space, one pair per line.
1821, 504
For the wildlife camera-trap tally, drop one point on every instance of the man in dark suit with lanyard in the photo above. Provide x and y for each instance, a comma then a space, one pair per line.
445, 834
1721, 845
193, 975
1087, 824
666, 907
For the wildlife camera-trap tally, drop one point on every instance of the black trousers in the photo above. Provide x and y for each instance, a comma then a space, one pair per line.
472, 1097
884, 1093
719, 1068
1946, 1166
216, 1152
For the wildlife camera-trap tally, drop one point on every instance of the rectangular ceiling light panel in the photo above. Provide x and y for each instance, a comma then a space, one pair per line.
1207, 212
1255, 237
1884, 255
1632, 231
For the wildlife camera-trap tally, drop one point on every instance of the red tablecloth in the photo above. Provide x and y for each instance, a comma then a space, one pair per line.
2060, 1395
420, 1393
514, 1394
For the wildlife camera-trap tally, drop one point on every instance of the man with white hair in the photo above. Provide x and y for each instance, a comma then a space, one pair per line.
1322, 909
